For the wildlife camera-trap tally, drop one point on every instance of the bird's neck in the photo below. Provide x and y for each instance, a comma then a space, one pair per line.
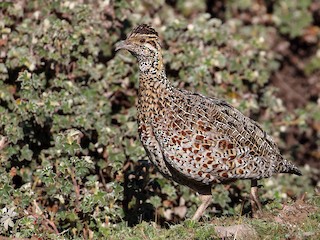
153, 75
154, 92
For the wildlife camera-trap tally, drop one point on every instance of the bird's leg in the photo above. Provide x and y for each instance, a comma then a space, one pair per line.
206, 201
254, 198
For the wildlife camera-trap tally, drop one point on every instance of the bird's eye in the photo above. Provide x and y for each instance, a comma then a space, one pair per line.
142, 40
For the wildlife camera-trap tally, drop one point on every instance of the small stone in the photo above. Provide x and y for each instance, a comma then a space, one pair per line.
242, 231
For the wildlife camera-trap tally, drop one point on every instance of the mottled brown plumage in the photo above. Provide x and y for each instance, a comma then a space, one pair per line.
196, 140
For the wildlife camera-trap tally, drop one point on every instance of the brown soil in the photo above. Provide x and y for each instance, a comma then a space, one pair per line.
295, 214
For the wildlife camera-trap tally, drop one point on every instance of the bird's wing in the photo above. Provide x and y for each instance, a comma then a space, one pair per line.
209, 140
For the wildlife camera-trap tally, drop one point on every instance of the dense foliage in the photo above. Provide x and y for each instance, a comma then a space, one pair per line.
71, 162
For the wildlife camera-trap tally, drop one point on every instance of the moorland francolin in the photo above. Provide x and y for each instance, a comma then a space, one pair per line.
195, 140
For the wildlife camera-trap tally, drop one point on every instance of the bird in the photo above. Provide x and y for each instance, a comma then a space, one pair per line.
195, 140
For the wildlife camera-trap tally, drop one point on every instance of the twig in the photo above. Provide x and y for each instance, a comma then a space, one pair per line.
15, 238
50, 225
288, 123
76, 188
103, 180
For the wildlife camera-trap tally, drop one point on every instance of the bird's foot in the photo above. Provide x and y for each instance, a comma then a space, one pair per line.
254, 199
206, 201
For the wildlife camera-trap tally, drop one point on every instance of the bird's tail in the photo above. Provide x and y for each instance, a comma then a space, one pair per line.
287, 167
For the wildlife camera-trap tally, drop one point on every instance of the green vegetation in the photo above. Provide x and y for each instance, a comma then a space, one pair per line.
71, 163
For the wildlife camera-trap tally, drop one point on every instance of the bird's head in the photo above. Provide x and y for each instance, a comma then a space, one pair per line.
144, 43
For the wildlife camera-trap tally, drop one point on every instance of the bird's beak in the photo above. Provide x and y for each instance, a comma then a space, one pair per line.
122, 45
